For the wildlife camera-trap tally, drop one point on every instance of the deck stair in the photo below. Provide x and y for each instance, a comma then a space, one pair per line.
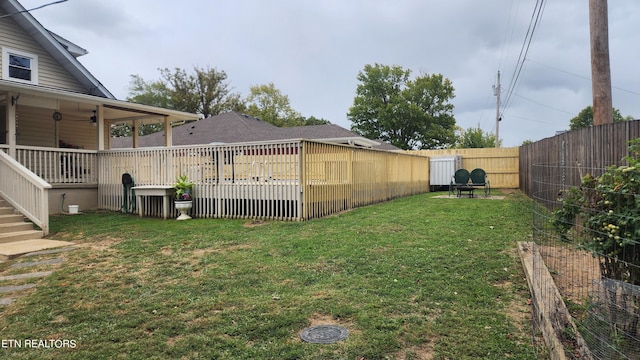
18, 236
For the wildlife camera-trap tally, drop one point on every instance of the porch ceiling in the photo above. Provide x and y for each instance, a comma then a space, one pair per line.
82, 105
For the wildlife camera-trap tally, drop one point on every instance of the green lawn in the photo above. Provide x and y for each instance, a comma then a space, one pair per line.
414, 278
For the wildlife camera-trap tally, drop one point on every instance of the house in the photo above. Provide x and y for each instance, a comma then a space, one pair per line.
233, 127
56, 151
52, 108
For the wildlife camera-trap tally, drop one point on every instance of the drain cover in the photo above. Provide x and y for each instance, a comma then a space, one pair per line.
324, 334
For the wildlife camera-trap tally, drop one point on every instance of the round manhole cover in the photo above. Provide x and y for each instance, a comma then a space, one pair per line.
324, 334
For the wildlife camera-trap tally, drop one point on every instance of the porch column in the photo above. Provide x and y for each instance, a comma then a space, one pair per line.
12, 103
101, 127
136, 124
168, 132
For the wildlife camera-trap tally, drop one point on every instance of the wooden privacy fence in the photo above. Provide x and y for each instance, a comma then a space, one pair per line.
501, 164
288, 180
571, 155
338, 178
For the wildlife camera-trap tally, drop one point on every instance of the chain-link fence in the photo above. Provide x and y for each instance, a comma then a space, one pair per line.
588, 236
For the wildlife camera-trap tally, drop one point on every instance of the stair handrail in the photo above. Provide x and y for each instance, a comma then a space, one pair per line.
25, 191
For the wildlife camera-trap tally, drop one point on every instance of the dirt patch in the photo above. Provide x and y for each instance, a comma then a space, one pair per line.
254, 223
423, 352
574, 272
100, 245
60, 319
173, 340
322, 319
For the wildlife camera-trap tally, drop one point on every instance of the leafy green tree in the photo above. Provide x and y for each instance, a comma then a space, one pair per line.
584, 119
407, 113
312, 120
269, 104
205, 91
121, 130
476, 138
154, 93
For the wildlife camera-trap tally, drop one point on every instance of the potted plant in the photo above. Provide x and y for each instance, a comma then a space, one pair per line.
184, 197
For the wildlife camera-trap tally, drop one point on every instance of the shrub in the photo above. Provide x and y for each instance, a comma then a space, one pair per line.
609, 208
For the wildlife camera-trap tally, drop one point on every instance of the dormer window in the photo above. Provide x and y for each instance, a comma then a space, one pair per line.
19, 66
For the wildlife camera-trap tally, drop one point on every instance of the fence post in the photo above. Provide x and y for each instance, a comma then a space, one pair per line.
303, 209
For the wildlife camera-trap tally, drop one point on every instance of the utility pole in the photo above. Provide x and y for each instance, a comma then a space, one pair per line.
600, 69
496, 93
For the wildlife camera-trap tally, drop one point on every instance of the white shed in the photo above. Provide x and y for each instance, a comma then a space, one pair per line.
442, 168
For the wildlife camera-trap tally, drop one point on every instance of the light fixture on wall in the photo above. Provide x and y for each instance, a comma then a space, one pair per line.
93, 118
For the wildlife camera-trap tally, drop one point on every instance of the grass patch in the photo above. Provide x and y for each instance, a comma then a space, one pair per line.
413, 278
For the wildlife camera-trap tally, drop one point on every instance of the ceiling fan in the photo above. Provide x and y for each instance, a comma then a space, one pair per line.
57, 116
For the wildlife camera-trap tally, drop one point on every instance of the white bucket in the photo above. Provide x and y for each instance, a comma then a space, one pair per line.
73, 209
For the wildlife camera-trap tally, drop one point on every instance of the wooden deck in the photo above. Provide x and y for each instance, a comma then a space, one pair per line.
287, 180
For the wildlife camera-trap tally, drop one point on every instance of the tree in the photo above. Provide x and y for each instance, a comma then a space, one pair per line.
269, 104
312, 120
475, 138
407, 113
205, 91
584, 119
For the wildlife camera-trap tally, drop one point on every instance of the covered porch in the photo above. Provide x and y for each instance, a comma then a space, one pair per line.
281, 180
56, 135
56, 152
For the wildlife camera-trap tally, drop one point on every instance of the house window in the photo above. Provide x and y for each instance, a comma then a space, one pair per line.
19, 66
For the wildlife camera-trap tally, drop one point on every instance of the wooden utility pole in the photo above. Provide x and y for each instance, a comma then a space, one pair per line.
600, 69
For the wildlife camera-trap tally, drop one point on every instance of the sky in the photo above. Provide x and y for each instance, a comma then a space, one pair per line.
312, 51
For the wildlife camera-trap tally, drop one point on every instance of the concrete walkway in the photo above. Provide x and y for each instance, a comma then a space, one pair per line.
11, 250
13, 285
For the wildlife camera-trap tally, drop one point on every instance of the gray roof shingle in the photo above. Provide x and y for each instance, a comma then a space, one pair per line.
233, 127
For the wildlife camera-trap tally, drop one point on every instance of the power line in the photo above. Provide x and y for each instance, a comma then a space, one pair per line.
541, 104
35, 8
533, 23
506, 32
579, 76
530, 120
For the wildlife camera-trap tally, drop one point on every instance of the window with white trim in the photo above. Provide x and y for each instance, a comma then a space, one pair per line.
19, 66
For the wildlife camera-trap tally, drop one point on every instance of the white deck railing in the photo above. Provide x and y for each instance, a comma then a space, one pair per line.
283, 180
257, 180
25, 191
287, 180
60, 166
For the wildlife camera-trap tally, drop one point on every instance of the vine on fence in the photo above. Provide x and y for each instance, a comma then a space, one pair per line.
608, 207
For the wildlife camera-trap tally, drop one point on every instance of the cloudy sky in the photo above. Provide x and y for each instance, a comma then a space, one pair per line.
313, 50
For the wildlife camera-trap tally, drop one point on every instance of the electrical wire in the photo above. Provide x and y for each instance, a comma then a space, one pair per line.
35, 8
533, 23
511, 25
580, 76
541, 104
